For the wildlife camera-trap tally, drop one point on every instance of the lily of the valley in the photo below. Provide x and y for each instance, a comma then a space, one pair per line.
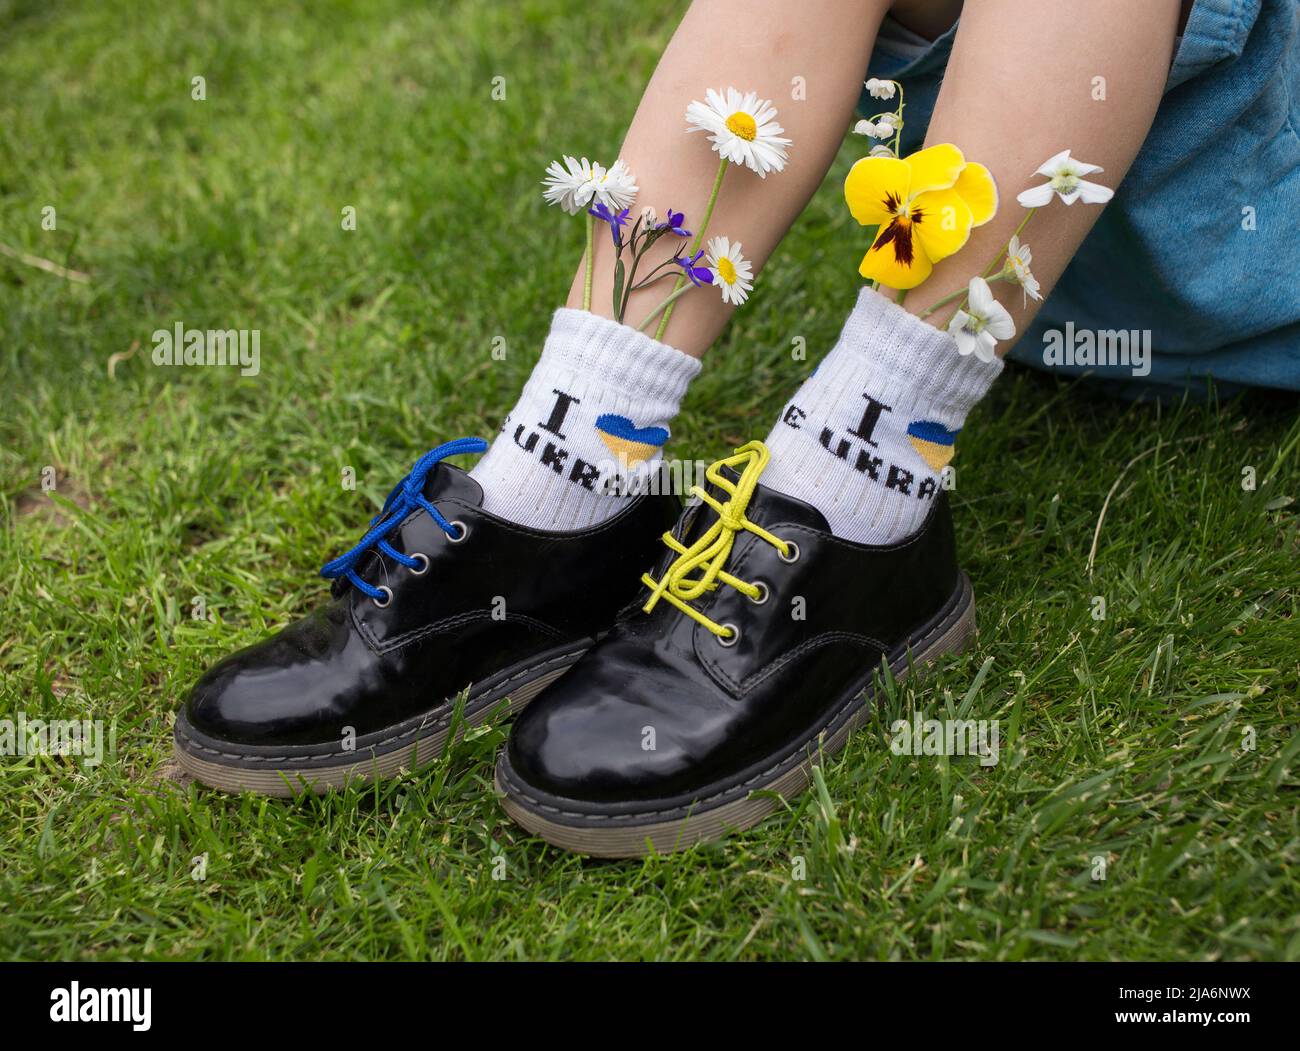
873, 131
1066, 180
925, 207
984, 321
885, 128
880, 89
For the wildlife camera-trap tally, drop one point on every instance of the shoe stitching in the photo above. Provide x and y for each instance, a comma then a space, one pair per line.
437, 724
440, 626
774, 666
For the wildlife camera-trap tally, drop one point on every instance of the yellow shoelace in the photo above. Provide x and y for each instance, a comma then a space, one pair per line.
698, 568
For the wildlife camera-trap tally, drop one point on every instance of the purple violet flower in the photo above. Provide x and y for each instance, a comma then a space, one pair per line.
616, 220
699, 275
674, 224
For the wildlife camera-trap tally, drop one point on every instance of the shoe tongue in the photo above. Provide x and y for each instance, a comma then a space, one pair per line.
766, 507
448, 482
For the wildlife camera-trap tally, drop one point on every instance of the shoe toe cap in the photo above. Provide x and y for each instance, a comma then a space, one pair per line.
602, 734
289, 689
241, 699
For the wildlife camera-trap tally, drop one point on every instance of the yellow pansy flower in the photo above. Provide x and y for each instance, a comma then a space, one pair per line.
925, 206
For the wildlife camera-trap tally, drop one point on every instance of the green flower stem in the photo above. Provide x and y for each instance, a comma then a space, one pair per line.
898, 132
959, 294
586, 262
667, 304
638, 254
943, 302
988, 273
631, 276
695, 247
651, 278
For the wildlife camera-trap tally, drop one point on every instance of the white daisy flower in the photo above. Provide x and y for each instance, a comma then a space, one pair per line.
880, 89
568, 184
1065, 176
742, 128
575, 184
978, 328
1017, 269
732, 272
615, 188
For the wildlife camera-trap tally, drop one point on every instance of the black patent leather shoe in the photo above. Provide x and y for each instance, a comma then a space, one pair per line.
439, 597
755, 649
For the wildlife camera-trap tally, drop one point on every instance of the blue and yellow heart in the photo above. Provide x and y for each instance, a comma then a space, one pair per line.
628, 441
933, 441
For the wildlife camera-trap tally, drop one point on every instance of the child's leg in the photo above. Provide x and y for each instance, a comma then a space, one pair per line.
872, 429
760, 46
1020, 88
740, 693
601, 386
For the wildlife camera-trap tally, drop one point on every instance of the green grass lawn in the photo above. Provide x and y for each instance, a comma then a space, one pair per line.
1161, 738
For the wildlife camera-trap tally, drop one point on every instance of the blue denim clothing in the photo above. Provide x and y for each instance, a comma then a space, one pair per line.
1172, 253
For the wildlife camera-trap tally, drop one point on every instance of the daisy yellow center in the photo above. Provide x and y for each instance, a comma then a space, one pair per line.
742, 125
727, 270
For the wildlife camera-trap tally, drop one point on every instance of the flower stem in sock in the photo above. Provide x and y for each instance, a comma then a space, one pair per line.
695, 247
667, 304
1003, 251
586, 262
985, 273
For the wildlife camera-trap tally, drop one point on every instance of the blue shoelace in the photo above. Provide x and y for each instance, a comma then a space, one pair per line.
407, 496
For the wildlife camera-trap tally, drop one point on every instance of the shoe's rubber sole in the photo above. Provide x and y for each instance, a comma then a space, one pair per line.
414, 744
632, 835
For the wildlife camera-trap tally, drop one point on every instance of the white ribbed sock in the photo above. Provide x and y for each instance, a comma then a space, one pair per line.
594, 413
866, 437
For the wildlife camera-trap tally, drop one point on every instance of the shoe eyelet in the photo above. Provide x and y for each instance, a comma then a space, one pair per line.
462, 531
388, 592
794, 553
764, 592
422, 568
729, 640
